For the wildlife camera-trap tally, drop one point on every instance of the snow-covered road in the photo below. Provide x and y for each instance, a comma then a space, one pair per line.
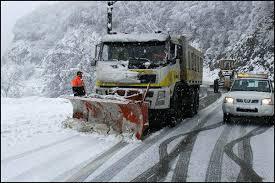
34, 147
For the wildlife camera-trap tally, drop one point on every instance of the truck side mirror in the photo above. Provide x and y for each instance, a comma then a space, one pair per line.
94, 60
172, 61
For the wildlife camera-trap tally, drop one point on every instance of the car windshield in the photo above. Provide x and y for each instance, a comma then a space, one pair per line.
149, 51
251, 85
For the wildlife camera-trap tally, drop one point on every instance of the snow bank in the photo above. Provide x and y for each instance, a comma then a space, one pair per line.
25, 118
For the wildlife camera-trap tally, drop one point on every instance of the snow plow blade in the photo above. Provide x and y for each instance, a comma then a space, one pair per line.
119, 115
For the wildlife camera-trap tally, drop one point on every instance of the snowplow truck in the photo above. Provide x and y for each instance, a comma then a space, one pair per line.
227, 74
157, 75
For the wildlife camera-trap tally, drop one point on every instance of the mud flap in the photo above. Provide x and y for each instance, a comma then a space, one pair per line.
122, 116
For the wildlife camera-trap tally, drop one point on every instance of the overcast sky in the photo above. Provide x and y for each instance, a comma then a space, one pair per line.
10, 12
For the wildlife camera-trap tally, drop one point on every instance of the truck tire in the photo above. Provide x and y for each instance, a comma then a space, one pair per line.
175, 113
197, 100
191, 106
156, 118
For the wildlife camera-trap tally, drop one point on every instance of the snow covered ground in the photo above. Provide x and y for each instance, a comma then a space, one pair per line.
31, 127
28, 118
34, 147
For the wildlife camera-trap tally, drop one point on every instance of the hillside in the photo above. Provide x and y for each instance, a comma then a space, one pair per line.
54, 41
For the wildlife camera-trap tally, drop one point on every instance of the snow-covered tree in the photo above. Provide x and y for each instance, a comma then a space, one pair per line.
10, 81
56, 40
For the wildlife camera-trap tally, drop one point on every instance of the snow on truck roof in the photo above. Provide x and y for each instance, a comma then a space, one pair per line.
134, 37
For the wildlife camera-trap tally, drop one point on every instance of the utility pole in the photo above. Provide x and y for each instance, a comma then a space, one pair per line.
109, 16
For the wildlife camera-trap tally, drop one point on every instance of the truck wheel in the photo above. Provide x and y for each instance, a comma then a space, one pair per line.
170, 117
271, 120
191, 107
197, 101
226, 118
175, 111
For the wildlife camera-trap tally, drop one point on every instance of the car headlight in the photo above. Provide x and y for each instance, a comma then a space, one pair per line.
228, 100
267, 101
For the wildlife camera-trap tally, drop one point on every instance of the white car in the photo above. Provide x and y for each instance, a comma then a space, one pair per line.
249, 97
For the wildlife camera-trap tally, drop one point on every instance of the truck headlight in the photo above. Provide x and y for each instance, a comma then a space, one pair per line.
161, 98
99, 91
267, 101
228, 100
160, 102
161, 95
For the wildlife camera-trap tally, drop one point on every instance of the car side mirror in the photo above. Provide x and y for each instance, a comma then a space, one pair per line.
93, 62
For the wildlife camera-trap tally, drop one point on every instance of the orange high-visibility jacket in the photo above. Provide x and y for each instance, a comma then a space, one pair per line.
77, 82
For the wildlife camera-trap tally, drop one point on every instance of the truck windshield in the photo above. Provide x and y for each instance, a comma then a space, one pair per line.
251, 85
154, 52
226, 64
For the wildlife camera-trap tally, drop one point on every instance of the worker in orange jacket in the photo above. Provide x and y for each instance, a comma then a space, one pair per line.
78, 85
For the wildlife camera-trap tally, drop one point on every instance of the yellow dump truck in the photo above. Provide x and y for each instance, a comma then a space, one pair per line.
127, 63
142, 80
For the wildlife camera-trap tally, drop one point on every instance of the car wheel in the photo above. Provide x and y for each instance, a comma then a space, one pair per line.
226, 118
271, 120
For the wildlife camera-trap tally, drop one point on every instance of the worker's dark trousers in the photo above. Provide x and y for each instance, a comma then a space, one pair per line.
78, 91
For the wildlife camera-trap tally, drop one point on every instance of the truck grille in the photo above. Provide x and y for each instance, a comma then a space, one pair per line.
147, 78
253, 101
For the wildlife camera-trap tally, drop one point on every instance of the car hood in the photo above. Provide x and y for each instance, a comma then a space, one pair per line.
248, 95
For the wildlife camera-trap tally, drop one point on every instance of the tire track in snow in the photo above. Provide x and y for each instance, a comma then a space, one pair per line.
82, 171
115, 168
214, 170
246, 168
208, 99
160, 170
36, 149
88, 169
245, 153
181, 169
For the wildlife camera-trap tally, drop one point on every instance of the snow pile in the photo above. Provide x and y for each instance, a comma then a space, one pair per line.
110, 97
84, 126
97, 128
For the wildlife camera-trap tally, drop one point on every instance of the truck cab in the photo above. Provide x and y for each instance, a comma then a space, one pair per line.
226, 73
